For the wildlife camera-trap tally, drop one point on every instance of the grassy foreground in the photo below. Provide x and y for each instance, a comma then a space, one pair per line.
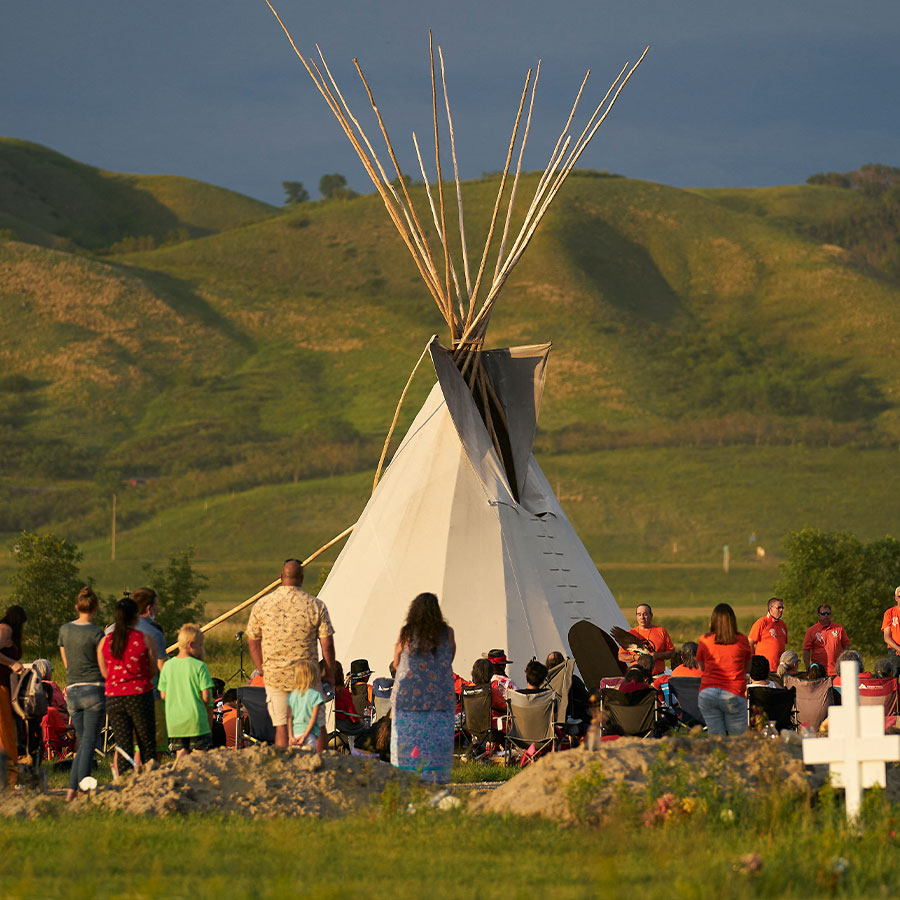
770, 847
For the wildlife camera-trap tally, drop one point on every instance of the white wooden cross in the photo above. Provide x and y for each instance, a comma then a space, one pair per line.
856, 748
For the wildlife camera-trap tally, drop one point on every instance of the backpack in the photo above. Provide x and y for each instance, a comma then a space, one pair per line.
29, 699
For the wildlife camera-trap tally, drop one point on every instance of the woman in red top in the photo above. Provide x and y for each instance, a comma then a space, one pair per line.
724, 656
127, 659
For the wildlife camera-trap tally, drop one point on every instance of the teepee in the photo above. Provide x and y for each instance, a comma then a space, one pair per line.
463, 509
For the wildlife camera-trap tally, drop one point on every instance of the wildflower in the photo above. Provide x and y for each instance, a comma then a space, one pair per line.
749, 864
727, 815
838, 865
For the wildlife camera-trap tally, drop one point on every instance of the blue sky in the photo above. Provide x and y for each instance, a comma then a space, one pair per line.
730, 94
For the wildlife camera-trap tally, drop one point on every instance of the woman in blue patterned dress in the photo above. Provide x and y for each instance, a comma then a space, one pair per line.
423, 701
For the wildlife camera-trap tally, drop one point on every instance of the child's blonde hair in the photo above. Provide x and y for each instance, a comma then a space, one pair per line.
188, 634
306, 675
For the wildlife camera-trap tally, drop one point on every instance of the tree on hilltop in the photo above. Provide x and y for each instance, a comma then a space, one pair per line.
334, 187
295, 193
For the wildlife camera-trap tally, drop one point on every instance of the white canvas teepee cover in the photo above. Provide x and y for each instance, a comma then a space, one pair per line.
508, 573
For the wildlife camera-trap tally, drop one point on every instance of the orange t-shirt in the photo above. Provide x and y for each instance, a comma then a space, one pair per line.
659, 637
770, 637
685, 672
892, 620
826, 645
724, 665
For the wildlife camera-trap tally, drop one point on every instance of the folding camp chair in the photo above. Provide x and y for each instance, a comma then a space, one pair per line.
873, 691
530, 724
774, 704
632, 713
477, 724
253, 702
812, 700
559, 680
685, 691
382, 706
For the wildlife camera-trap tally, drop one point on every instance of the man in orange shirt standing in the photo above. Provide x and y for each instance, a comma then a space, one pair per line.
768, 636
824, 642
890, 624
663, 648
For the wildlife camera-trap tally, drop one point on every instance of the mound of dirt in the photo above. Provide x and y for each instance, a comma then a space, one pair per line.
261, 781
559, 782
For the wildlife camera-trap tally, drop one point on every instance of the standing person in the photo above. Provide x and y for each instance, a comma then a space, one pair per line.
282, 630
825, 641
663, 648
185, 685
127, 660
85, 687
304, 702
768, 635
890, 625
724, 655
11, 626
423, 702
688, 667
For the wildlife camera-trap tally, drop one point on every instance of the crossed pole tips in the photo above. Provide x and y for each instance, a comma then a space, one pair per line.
856, 748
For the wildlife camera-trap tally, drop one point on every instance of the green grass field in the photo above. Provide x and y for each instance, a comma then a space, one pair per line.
768, 845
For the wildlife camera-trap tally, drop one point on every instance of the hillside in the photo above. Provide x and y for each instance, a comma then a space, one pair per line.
272, 352
48, 199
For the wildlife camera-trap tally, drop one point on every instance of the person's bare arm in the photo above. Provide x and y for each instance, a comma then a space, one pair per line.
452, 637
62, 656
327, 644
806, 659
101, 661
890, 641
398, 651
204, 696
254, 648
150, 644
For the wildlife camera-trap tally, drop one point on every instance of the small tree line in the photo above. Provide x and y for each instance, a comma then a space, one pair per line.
47, 579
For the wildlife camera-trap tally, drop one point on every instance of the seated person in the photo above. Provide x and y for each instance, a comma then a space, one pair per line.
759, 673
815, 672
536, 676
788, 664
344, 710
383, 687
359, 675
637, 678
884, 668
501, 683
689, 667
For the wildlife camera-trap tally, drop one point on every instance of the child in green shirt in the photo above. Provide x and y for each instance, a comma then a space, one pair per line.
185, 686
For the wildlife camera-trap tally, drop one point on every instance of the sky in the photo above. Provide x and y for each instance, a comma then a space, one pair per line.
730, 95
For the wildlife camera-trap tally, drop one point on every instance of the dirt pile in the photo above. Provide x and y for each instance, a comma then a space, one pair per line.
262, 781
557, 785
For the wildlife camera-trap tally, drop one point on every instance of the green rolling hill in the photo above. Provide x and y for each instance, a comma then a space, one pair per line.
715, 369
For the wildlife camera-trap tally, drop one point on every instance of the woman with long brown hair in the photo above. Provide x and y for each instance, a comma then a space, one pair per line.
11, 626
423, 701
724, 656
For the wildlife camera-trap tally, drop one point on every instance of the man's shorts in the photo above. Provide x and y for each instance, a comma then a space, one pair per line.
200, 742
276, 703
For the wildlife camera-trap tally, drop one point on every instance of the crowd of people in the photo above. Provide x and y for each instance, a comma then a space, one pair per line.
123, 675
727, 662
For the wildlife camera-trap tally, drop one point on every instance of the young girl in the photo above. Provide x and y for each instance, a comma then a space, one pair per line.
304, 702
185, 686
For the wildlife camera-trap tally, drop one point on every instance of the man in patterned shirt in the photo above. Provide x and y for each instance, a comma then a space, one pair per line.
283, 629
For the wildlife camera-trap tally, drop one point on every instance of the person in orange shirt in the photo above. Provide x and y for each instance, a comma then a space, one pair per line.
825, 641
890, 624
768, 635
689, 667
663, 648
724, 655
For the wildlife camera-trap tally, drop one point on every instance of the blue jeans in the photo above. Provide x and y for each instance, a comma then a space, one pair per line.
87, 709
723, 712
